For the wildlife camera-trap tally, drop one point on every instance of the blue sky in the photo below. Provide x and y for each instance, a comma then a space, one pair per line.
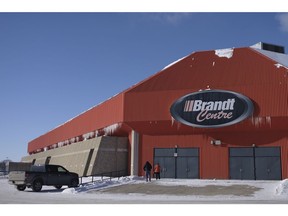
53, 66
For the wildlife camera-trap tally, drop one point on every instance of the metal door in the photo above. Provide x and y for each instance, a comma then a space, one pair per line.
241, 163
165, 157
258, 163
63, 176
52, 173
187, 167
177, 162
187, 163
268, 163
168, 170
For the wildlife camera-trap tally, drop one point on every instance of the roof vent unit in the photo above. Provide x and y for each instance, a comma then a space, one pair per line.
269, 47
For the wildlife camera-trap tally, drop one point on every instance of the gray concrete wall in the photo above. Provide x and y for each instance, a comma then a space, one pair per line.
90, 157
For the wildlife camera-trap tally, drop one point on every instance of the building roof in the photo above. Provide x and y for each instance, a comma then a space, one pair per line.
280, 58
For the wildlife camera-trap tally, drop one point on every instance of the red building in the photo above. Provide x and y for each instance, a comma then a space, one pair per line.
212, 114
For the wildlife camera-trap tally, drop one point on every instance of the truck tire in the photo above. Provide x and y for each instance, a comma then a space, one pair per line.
74, 183
21, 187
37, 185
58, 186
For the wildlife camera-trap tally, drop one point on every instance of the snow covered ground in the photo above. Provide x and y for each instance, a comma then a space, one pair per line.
274, 191
107, 192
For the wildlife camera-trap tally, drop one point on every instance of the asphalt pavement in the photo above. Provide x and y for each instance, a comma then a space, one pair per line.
151, 188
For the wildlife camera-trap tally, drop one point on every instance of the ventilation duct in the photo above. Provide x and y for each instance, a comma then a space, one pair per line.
269, 47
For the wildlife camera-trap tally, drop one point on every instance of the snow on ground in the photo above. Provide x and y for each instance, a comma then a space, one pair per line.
268, 190
275, 192
282, 188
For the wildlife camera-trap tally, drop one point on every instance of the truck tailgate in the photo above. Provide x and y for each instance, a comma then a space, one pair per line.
16, 177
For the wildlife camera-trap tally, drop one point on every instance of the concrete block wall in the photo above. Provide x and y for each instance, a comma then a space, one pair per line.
90, 157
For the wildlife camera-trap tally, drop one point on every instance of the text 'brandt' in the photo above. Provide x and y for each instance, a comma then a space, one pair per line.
204, 107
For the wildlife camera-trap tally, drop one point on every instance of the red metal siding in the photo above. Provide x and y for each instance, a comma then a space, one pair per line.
103, 115
247, 72
245, 68
149, 106
214, 160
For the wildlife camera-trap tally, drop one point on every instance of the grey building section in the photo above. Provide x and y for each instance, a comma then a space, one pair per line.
97, 156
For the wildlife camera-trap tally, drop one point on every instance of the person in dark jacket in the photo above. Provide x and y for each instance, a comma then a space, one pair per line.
147, 168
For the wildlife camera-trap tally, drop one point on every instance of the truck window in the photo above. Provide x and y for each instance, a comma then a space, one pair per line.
52, 168
61, 169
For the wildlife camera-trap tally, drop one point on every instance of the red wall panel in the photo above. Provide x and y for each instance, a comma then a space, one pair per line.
214, 160
102, 115
247, 72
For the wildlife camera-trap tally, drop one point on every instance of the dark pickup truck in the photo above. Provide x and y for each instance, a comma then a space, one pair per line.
40, 175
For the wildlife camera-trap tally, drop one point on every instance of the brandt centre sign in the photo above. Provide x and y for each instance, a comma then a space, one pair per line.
211, 108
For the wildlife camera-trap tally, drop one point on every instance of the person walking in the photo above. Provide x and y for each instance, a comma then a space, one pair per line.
147, 168
157, 170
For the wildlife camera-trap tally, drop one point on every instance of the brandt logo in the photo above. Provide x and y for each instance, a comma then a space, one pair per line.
197, 105
211, 108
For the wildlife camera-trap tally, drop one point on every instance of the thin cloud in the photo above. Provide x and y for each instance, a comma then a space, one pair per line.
283, 21
170, 18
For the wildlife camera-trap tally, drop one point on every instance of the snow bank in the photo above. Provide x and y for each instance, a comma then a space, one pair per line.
282, 188
69, 191
98, 183
228, 53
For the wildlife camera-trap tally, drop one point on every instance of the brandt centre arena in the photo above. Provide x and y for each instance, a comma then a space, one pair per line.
218, 114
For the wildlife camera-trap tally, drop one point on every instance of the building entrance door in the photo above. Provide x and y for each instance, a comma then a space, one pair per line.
258, 163
177, 162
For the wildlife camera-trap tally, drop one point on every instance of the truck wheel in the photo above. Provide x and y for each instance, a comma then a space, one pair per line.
58, 186
74, 183
21, 187
37, 185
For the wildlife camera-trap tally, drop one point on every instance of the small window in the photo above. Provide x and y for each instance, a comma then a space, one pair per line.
62, 169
